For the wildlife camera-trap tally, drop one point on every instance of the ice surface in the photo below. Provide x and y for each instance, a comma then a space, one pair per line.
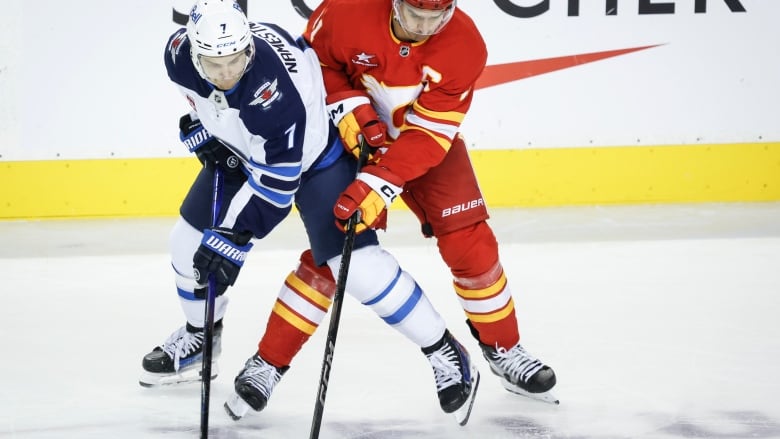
660, 321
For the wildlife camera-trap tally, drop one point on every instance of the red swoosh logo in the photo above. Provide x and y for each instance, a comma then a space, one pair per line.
502, 73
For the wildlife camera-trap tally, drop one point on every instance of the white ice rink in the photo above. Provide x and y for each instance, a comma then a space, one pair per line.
660, 322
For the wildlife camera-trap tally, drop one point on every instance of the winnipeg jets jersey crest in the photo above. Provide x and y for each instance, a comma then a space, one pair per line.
267, 94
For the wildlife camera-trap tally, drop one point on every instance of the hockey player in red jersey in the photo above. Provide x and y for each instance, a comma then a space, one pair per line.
401, 74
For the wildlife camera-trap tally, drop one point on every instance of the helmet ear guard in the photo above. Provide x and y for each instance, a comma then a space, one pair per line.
218, 28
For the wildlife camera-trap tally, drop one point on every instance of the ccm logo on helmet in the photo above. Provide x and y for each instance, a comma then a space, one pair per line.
462, 207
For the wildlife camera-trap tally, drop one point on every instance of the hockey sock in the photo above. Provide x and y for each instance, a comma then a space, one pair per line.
487, 302
378, 282
480, 283
302, 303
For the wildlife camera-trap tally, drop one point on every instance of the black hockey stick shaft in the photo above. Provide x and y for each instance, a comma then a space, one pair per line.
335, 312
208, 327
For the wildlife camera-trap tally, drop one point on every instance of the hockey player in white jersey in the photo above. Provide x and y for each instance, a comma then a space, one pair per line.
258, 113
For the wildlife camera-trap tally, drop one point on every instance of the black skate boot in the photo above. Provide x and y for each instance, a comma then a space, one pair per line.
253, 385
179, 359
457, 378
520, 372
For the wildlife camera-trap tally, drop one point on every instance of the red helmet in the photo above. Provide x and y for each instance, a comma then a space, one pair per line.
437, 14
431, 4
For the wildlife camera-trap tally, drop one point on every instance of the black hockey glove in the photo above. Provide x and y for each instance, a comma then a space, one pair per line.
206, 147
221, 254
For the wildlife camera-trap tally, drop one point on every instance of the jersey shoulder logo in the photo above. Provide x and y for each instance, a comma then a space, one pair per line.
175, 45
365, 59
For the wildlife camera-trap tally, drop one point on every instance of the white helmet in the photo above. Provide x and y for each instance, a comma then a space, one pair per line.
218, 28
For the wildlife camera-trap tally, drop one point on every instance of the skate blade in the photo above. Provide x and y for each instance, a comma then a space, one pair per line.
464, 412
236, 407
190, 375
544, 396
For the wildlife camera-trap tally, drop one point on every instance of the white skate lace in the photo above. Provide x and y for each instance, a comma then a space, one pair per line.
445, 367
518, 363
261, 375
182, 343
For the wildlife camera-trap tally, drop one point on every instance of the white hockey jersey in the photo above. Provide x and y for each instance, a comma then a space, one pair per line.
274, 119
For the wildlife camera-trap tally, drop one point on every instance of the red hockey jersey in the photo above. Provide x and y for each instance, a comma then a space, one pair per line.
421, 90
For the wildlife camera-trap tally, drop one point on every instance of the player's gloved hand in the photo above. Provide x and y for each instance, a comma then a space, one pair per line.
221, 254
206, 147
371, 194
356, 118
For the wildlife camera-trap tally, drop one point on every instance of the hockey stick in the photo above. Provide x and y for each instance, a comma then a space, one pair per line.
208, 327
338, 298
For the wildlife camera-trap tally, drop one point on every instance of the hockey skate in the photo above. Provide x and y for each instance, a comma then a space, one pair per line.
520, 372
179, 359
457, 378
253, 385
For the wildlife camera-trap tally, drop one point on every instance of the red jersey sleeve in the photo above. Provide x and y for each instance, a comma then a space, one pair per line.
322, 34
421, 90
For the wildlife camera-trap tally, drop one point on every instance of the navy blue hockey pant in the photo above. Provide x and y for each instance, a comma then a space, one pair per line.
314, 200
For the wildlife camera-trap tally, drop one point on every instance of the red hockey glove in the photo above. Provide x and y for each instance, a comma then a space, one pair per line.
356, 118
371, 194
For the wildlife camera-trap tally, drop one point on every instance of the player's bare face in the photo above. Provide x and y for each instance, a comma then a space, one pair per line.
417, 24
224, 71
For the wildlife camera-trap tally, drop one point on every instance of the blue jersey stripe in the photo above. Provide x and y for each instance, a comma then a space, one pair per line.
282, 172
273, 197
